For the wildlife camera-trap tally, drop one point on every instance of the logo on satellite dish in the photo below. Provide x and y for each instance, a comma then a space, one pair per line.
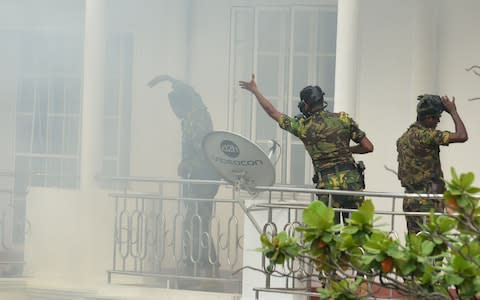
230, 148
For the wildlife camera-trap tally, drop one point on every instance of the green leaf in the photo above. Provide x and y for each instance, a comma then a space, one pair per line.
466, 179
395, 252
275, 241
292, 251
350, 230
270, 252
282, 238
454, 174
446, 223
407, 268
464, 201
427, 248
364, 215
280, 259
318, 215
453, 279
473, 190
367, 259
265, 241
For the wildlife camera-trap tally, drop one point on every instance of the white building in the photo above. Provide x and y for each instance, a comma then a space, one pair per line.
75, 105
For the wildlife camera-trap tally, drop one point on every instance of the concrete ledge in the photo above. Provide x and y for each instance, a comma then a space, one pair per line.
23, 289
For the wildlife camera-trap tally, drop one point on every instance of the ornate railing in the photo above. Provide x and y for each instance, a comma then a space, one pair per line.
152, 243
12, 227
164, 239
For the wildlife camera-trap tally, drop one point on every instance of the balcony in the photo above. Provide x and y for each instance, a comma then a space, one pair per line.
144, 238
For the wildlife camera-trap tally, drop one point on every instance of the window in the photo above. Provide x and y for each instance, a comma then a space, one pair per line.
288, 48
48, 112
48, 108
117, 106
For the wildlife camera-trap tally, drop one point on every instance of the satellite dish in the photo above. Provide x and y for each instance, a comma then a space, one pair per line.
238, 160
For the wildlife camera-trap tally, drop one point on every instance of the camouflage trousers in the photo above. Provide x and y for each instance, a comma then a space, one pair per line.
419, 205
349, 180
198, 245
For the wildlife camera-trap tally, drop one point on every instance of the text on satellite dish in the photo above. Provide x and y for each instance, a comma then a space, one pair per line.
238, 162
230, 148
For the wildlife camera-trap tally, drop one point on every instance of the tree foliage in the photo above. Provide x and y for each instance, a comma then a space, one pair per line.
444, 256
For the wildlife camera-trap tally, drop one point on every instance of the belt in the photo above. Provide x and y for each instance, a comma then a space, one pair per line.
429, 187
336, 169
413, 188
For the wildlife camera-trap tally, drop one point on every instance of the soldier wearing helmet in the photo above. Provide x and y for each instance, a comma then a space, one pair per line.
196, 123
419, 168
326, 137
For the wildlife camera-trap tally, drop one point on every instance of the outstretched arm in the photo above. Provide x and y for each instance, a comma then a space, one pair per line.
266, 105
365, 146
460, 135
159, 78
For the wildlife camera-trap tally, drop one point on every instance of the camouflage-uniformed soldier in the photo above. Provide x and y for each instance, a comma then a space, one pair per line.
196, 124
326, 137
419, 168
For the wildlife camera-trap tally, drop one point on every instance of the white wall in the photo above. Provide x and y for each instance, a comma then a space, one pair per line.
159, 30
385, 107
387, 82
167, 36
210, 57
69, 238
459, 48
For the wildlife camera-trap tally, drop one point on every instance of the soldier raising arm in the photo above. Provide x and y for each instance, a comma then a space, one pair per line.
460, 135
419, 167
365, 145
326, 137
266, 105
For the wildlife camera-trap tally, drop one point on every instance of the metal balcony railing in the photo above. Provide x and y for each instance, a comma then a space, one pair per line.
12, 227
154, 234
165, 239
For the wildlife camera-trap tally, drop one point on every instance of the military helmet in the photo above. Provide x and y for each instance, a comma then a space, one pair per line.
429, 105
183, 99
310, 95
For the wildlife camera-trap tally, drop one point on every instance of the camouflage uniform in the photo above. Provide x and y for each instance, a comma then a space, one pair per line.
195, 127
196, 124
419, 169
326, 137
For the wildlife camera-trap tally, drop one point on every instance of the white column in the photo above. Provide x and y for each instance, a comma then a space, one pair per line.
424, 50
255, 279
93, 93
346, 64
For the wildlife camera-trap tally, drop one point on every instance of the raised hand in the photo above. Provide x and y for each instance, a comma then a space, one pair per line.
449, 105
249, 85
158, 79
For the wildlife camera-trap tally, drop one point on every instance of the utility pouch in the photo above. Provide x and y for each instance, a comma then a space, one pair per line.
361, 170
315, 178
436, 188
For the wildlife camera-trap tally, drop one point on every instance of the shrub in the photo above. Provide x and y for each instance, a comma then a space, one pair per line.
445, 255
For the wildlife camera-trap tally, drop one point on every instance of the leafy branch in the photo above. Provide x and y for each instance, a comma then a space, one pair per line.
347, 257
